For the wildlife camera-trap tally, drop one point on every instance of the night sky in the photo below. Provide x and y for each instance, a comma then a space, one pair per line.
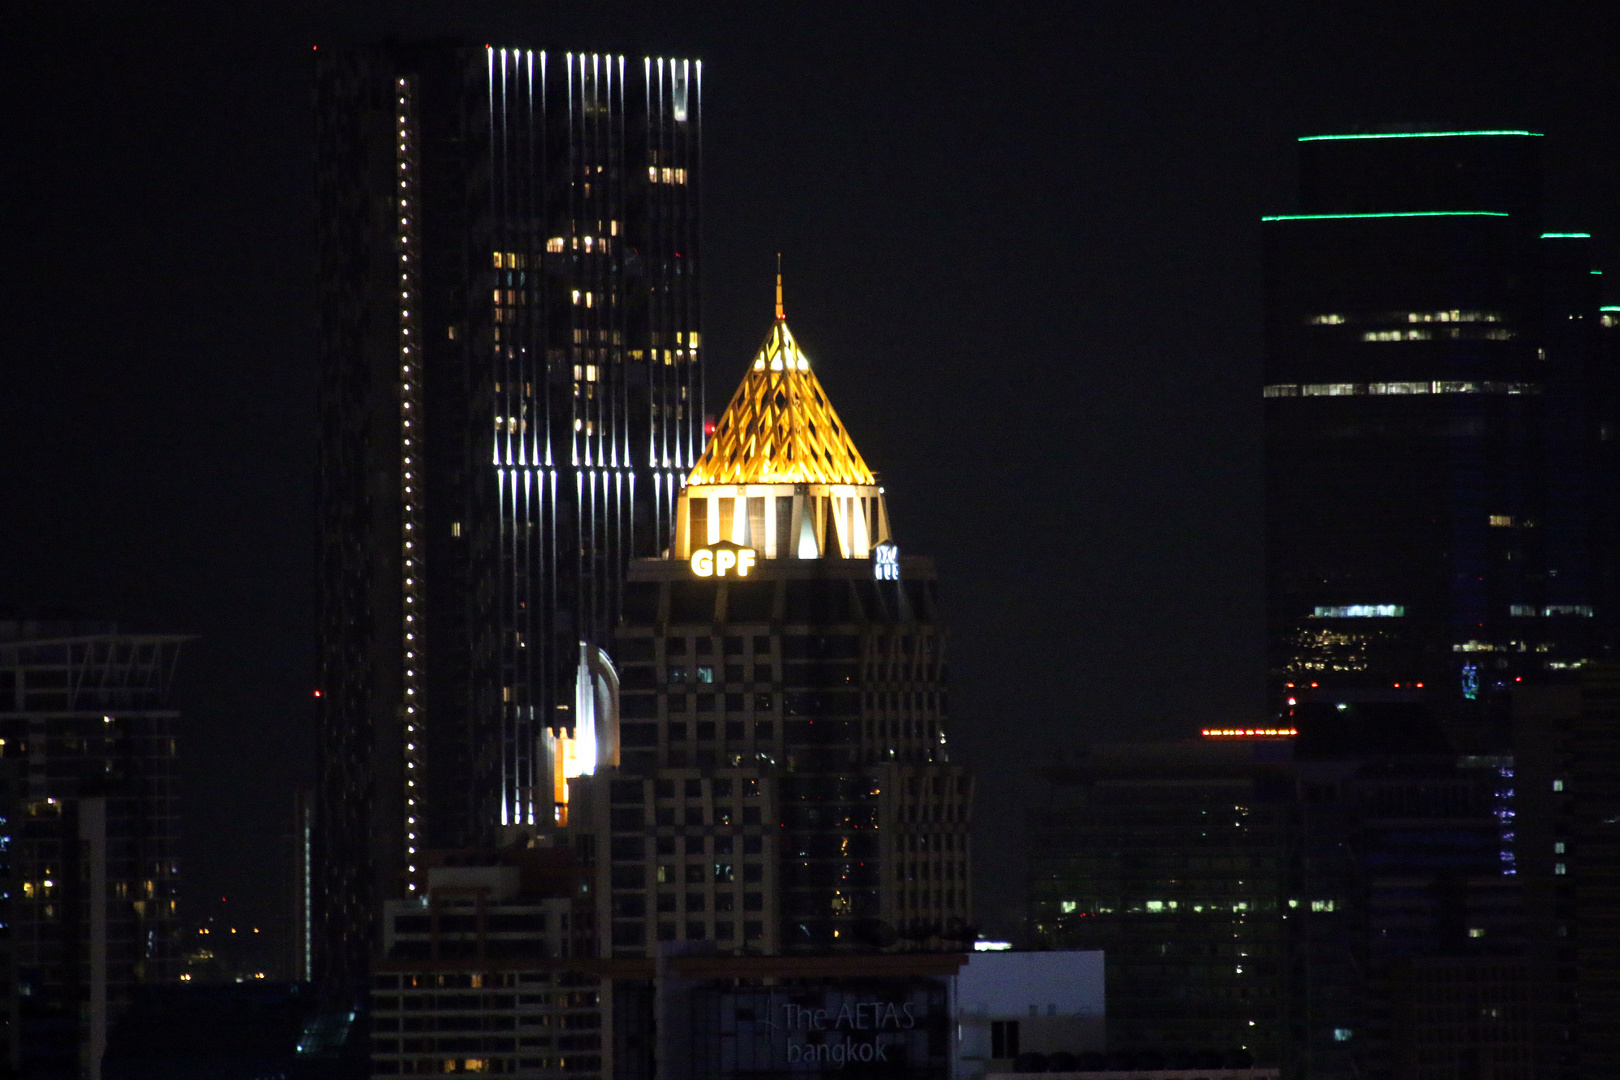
1022, 250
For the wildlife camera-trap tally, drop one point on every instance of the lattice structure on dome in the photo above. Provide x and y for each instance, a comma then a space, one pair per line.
780, 428
781, 475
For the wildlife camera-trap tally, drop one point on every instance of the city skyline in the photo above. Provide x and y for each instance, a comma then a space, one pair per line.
156, 484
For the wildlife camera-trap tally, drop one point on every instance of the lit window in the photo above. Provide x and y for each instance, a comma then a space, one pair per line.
1558, 847
1476, 931
1324, 320
1560, 868
1359, 611
1558, 785
1501, 521
1068, 907
1291, 390
1342, 1034
1321, 905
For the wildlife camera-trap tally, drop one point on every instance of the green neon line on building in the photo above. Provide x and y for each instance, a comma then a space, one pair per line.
1566, 236
1415, 135
1406, 213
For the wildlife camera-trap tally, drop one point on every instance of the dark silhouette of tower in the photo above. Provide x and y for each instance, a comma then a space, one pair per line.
509, 346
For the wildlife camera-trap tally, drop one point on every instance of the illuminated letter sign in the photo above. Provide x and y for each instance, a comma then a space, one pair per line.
720, 561
886, 562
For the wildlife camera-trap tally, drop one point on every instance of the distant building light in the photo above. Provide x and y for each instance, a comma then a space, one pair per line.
1359, 611
1398, 214
1414, 135
991, 946
1249, 733
1342, 1034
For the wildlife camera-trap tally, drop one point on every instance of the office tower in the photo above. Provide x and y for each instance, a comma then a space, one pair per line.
778, 781
1409, 942
511, 388
475, 975
1171, 859
87, 742
1440, 483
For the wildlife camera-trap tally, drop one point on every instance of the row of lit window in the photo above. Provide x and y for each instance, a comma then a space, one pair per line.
1358, 611
1550, 610
666, 175
1429, 335
697, 873
1454, 334
1452, 316
1160, 907
1395, 389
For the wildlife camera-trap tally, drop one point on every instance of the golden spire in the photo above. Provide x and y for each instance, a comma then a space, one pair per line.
779, 313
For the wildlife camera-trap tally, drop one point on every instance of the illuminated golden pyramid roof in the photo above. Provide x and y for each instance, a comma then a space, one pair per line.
780, 428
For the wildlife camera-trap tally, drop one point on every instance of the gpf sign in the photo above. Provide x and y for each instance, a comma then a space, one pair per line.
720, 561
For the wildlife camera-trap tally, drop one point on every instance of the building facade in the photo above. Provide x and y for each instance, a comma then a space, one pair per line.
1171, 859
1440, 481
476, 974
779, 780
87, 752
511, 387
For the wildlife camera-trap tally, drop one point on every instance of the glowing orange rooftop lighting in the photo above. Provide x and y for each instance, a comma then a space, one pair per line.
1249, 733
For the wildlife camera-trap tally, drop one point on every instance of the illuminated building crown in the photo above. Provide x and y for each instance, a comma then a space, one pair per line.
780, 428
781, 475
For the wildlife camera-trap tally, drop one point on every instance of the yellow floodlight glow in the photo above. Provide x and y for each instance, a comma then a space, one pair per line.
780, 427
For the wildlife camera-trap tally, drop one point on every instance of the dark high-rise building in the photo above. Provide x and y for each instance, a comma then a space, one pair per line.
778, 780
88, 837
1336, 908
511, 388
1440, 482
1172, 859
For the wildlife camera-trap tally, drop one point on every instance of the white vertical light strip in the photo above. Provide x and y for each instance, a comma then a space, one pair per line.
410, 411
308, 927
506, 499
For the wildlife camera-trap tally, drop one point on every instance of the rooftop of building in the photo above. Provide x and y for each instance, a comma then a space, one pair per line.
780, 427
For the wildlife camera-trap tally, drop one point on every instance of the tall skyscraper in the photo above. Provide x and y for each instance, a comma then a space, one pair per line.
511, 388
1440, 481
87, 767
779, 779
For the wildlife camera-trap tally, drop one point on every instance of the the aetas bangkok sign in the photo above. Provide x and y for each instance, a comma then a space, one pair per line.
723, 560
